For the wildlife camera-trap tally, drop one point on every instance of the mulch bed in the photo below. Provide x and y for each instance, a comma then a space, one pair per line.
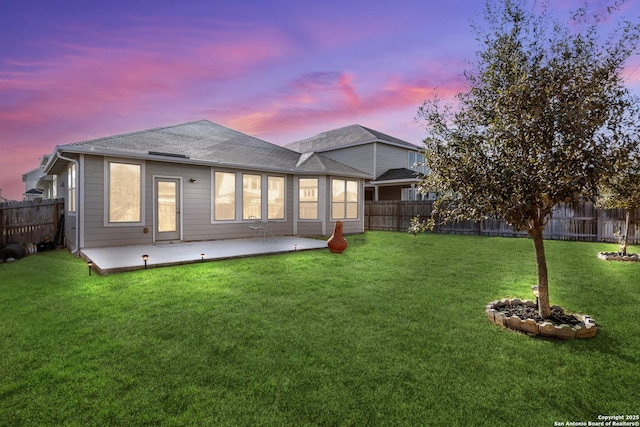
558, 317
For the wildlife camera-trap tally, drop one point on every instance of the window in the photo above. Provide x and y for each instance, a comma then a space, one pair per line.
125, 195
416, 162
71, 189
344, 199
251, 196
275, 197
224, 198
308, 198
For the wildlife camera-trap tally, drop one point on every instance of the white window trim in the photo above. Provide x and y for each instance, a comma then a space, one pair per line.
359, 199
143, 192
318, 197
239, 200
213, 198
72, 184
265, 179
180, 202
262, 197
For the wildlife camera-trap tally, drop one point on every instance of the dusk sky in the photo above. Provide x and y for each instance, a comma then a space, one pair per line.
72, 70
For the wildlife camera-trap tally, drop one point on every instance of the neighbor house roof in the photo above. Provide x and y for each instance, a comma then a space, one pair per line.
204, 142
397, 175
345, 137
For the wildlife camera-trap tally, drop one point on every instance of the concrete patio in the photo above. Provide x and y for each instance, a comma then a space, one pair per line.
126, 258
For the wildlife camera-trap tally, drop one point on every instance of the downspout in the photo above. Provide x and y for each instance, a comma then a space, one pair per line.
76, 251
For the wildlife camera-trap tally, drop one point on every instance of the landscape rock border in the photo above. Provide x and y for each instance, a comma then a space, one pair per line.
617, 256
587, 327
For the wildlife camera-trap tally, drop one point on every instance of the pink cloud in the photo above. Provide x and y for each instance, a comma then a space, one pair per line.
89, 80
334, 97
88, 89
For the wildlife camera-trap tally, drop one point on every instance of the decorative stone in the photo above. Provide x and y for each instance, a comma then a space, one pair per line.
11, 259
513, 322
546, 329
617, 256
499, 318
586, 329
491, 314
530, 326
566, 332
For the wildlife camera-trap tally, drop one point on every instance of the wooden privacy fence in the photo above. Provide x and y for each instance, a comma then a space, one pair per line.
570, 221
29, 221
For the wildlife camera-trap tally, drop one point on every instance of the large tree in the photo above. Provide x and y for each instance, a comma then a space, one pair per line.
545, 116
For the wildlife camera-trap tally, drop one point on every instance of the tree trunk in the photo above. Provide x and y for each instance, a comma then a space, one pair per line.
544, 307
625, 237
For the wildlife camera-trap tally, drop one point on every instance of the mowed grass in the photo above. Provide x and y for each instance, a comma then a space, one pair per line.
391, 332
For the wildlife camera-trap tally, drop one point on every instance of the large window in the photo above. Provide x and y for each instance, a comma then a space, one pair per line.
224, 200
71, 189
308, 198
344, 199
251, 196
275, 197
125, 195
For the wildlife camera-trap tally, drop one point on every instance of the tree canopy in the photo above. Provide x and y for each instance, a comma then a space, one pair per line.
545, 117
622, 191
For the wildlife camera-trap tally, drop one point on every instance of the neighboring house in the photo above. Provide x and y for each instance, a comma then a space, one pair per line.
199, 181
47, 184
393, 163
30, 180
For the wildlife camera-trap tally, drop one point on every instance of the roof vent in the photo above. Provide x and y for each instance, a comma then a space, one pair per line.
158, 153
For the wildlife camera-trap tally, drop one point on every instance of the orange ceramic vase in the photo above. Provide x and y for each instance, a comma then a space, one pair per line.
337, 243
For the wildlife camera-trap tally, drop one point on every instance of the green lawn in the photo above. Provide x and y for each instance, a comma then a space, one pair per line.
391, 332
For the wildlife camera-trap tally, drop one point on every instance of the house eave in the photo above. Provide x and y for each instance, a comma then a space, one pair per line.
395, 181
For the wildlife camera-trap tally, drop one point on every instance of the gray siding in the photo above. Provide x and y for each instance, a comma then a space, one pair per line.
374, 159
95, 233
309, 228
196, 207
390, 157
360, 157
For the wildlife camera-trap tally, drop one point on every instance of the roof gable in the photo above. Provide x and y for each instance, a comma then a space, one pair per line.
345, 136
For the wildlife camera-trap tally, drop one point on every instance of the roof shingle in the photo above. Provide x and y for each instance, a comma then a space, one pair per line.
208, 142
345, 136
